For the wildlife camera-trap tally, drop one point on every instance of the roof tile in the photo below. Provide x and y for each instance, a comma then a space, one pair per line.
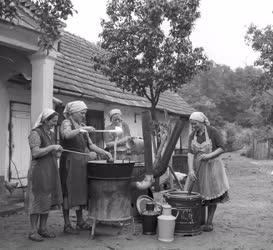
74, 71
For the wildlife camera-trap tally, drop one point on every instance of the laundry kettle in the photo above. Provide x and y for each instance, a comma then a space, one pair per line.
166, 224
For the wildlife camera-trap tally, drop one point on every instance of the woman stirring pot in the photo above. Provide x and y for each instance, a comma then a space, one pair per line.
207, 174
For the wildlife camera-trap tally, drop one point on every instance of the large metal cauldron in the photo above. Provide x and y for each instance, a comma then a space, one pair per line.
109, 190
189, 208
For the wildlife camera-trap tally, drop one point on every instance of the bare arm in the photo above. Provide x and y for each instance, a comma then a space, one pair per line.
211, 155
36, 150
100, 151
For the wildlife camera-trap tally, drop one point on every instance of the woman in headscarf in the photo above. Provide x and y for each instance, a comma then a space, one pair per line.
74, 136
121, 139
206, 174
44, 187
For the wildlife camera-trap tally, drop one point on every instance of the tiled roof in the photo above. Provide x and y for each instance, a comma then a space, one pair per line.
74, 71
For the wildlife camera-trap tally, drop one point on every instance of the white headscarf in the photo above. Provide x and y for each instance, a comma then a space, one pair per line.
43, 116
73, 107
200, 117
114, 112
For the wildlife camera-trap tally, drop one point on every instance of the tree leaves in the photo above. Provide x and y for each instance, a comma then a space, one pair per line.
149, 46
49, 14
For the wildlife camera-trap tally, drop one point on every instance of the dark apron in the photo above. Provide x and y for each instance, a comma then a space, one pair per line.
45, 175
73, 171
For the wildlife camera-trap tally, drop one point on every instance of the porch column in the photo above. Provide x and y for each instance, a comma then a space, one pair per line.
42, 82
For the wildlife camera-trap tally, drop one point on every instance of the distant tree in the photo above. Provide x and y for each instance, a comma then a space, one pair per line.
49, 14
261, 41
225, 95
149, 50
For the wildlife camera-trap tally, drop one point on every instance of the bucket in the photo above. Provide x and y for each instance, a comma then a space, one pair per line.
189, 207
149, 219
136, 145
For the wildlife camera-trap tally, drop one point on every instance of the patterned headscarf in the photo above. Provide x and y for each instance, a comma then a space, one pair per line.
73, 107
200, 117
43, 116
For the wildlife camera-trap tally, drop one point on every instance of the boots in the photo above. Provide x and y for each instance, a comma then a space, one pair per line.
146, 183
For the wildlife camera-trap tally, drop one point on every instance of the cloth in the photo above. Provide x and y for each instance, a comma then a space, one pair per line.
123, 152
73, 169
113, 112
200, 117
73, 107
44, 186
212, 181
45, 114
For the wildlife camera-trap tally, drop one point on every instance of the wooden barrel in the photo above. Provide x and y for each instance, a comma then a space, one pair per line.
189, 207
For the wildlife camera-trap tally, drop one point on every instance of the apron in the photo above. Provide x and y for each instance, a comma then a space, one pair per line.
44, 186
212, 181
73, 171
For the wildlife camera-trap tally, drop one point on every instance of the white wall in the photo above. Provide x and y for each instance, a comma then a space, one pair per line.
4, 118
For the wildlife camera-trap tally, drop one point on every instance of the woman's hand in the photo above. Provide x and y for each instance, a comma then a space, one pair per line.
108, 155
57, 148
192, 175
204, 157
87, 129
124, 140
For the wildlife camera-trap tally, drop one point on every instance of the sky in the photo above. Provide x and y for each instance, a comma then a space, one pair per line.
220, 30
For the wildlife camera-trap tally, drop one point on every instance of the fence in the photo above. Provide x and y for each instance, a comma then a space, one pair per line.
261, 149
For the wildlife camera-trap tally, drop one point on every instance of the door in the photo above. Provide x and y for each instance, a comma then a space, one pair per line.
95, 118
19, 147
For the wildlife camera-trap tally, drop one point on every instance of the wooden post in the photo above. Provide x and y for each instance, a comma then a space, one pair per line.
161, 166
147, 132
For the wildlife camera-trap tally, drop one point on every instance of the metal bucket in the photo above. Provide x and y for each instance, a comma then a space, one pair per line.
109, 190
189, 208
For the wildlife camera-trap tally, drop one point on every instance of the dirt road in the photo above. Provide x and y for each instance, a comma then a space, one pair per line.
246, 222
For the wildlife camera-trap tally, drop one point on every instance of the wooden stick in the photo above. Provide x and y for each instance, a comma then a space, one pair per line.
75, 152
175, 177
193, 182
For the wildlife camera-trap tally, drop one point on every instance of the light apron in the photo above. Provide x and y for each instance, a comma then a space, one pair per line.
212, 181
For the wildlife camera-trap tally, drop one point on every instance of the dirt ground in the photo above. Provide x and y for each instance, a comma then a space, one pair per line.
246, 222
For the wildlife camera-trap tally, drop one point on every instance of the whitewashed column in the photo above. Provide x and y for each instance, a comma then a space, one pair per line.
42, 82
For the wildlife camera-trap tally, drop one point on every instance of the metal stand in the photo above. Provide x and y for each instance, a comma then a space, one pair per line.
123, 222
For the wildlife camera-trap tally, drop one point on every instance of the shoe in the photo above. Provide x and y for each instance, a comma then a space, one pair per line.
34, 236
46, 234
83, 226
146, 183
68, 229
207, 228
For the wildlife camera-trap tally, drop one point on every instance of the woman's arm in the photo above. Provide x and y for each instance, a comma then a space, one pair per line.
38, 152
66, 130
211, 155
191, 173
100, 151
35, 143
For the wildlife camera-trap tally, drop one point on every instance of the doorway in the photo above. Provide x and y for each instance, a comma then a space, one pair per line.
19, 152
